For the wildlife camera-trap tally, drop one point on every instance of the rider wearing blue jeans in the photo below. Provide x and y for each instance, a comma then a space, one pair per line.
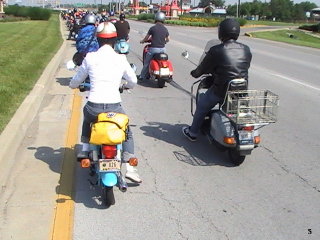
159, 35
226, 61
106, 69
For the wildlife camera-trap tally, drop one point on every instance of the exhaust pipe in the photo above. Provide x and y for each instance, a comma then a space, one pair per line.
123, 186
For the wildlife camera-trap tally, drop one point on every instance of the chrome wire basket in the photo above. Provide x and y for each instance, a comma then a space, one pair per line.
251, 107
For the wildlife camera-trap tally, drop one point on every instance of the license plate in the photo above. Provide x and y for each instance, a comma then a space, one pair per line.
164, 72
106, 165
245, 136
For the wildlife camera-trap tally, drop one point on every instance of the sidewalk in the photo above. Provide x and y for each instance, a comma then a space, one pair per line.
33, 146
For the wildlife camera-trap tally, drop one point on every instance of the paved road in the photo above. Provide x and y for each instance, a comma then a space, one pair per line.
191, 190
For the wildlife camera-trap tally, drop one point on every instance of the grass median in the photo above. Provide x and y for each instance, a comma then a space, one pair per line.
295, 37
26, 49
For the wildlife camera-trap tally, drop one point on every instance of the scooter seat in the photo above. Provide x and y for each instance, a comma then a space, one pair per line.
160, 56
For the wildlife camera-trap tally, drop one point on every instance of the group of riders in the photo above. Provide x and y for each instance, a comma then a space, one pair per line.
106, 68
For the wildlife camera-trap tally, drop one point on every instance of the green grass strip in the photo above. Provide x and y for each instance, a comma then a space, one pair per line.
290, 36
26, 49
270, 23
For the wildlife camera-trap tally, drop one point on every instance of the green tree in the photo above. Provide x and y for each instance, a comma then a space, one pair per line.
245, 9
282, 9
232, 10
307, 6
256, 7
298, 13
217, 3
265, 11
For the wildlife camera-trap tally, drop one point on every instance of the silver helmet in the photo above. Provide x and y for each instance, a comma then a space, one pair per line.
160, 17
90, 19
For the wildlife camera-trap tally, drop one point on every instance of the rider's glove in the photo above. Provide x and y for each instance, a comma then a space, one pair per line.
193, 73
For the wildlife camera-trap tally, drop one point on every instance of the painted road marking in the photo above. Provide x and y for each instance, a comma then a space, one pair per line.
62, 228
296, 81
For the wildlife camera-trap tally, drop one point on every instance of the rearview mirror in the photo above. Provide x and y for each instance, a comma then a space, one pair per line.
185, 54
133, 66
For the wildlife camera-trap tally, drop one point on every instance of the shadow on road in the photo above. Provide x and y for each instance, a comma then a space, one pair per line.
87, 192
63, 81
199, 153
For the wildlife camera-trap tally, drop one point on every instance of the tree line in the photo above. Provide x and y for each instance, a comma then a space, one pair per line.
281, 10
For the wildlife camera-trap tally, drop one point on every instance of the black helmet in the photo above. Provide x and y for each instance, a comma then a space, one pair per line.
229, 29
122, 16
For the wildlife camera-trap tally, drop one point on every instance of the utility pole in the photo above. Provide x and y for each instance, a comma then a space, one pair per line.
238, 9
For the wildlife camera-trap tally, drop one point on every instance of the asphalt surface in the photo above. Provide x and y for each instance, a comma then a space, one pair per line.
189, 190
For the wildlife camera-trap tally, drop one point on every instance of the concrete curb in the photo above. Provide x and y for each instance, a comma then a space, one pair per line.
14, 133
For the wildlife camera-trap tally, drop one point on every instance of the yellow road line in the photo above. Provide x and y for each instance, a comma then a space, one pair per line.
62, 228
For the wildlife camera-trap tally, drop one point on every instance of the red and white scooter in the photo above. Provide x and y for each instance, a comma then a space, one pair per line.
160, 68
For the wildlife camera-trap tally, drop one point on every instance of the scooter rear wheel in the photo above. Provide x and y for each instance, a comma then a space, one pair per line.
161, 83
108, 196
235, 157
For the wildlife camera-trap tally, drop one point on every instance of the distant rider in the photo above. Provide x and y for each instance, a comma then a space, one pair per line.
159, 35
74, 28
105, 68
104, 16
123, 27
226, 61
86, 34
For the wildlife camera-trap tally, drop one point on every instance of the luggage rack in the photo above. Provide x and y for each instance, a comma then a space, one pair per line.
251, 107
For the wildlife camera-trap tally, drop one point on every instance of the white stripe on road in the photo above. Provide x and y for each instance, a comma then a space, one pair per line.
296, 81
259, 69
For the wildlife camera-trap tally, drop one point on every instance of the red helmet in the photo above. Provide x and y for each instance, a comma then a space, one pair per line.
106, 30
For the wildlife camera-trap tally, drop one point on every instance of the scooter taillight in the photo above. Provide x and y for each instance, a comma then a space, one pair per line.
248, 128
109, 152
85, 163
164, 64
257, 139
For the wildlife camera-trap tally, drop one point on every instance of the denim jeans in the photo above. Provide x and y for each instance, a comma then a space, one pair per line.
90, 115
151, 51
206, 102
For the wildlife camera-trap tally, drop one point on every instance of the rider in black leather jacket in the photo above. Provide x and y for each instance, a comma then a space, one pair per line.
225, 61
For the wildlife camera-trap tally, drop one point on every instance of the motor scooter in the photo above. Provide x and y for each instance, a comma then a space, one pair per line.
160, 68
122, 46
105, 157
233, 125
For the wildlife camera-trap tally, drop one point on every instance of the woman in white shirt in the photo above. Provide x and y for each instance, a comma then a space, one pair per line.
105, 69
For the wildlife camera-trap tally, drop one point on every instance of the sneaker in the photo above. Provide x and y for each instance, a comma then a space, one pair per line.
82, 155
132, 174
186, 132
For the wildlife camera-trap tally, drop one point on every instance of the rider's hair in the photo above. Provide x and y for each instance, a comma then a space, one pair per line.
104, 41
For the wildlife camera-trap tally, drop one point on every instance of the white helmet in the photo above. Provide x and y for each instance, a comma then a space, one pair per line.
106, 30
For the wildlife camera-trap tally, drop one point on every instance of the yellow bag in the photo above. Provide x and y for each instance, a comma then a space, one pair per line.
110, 129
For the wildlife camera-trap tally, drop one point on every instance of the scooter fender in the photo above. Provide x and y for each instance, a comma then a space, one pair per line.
220, 127
109, 179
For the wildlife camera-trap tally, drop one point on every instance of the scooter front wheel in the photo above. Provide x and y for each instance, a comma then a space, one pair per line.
235, 157
108, 196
